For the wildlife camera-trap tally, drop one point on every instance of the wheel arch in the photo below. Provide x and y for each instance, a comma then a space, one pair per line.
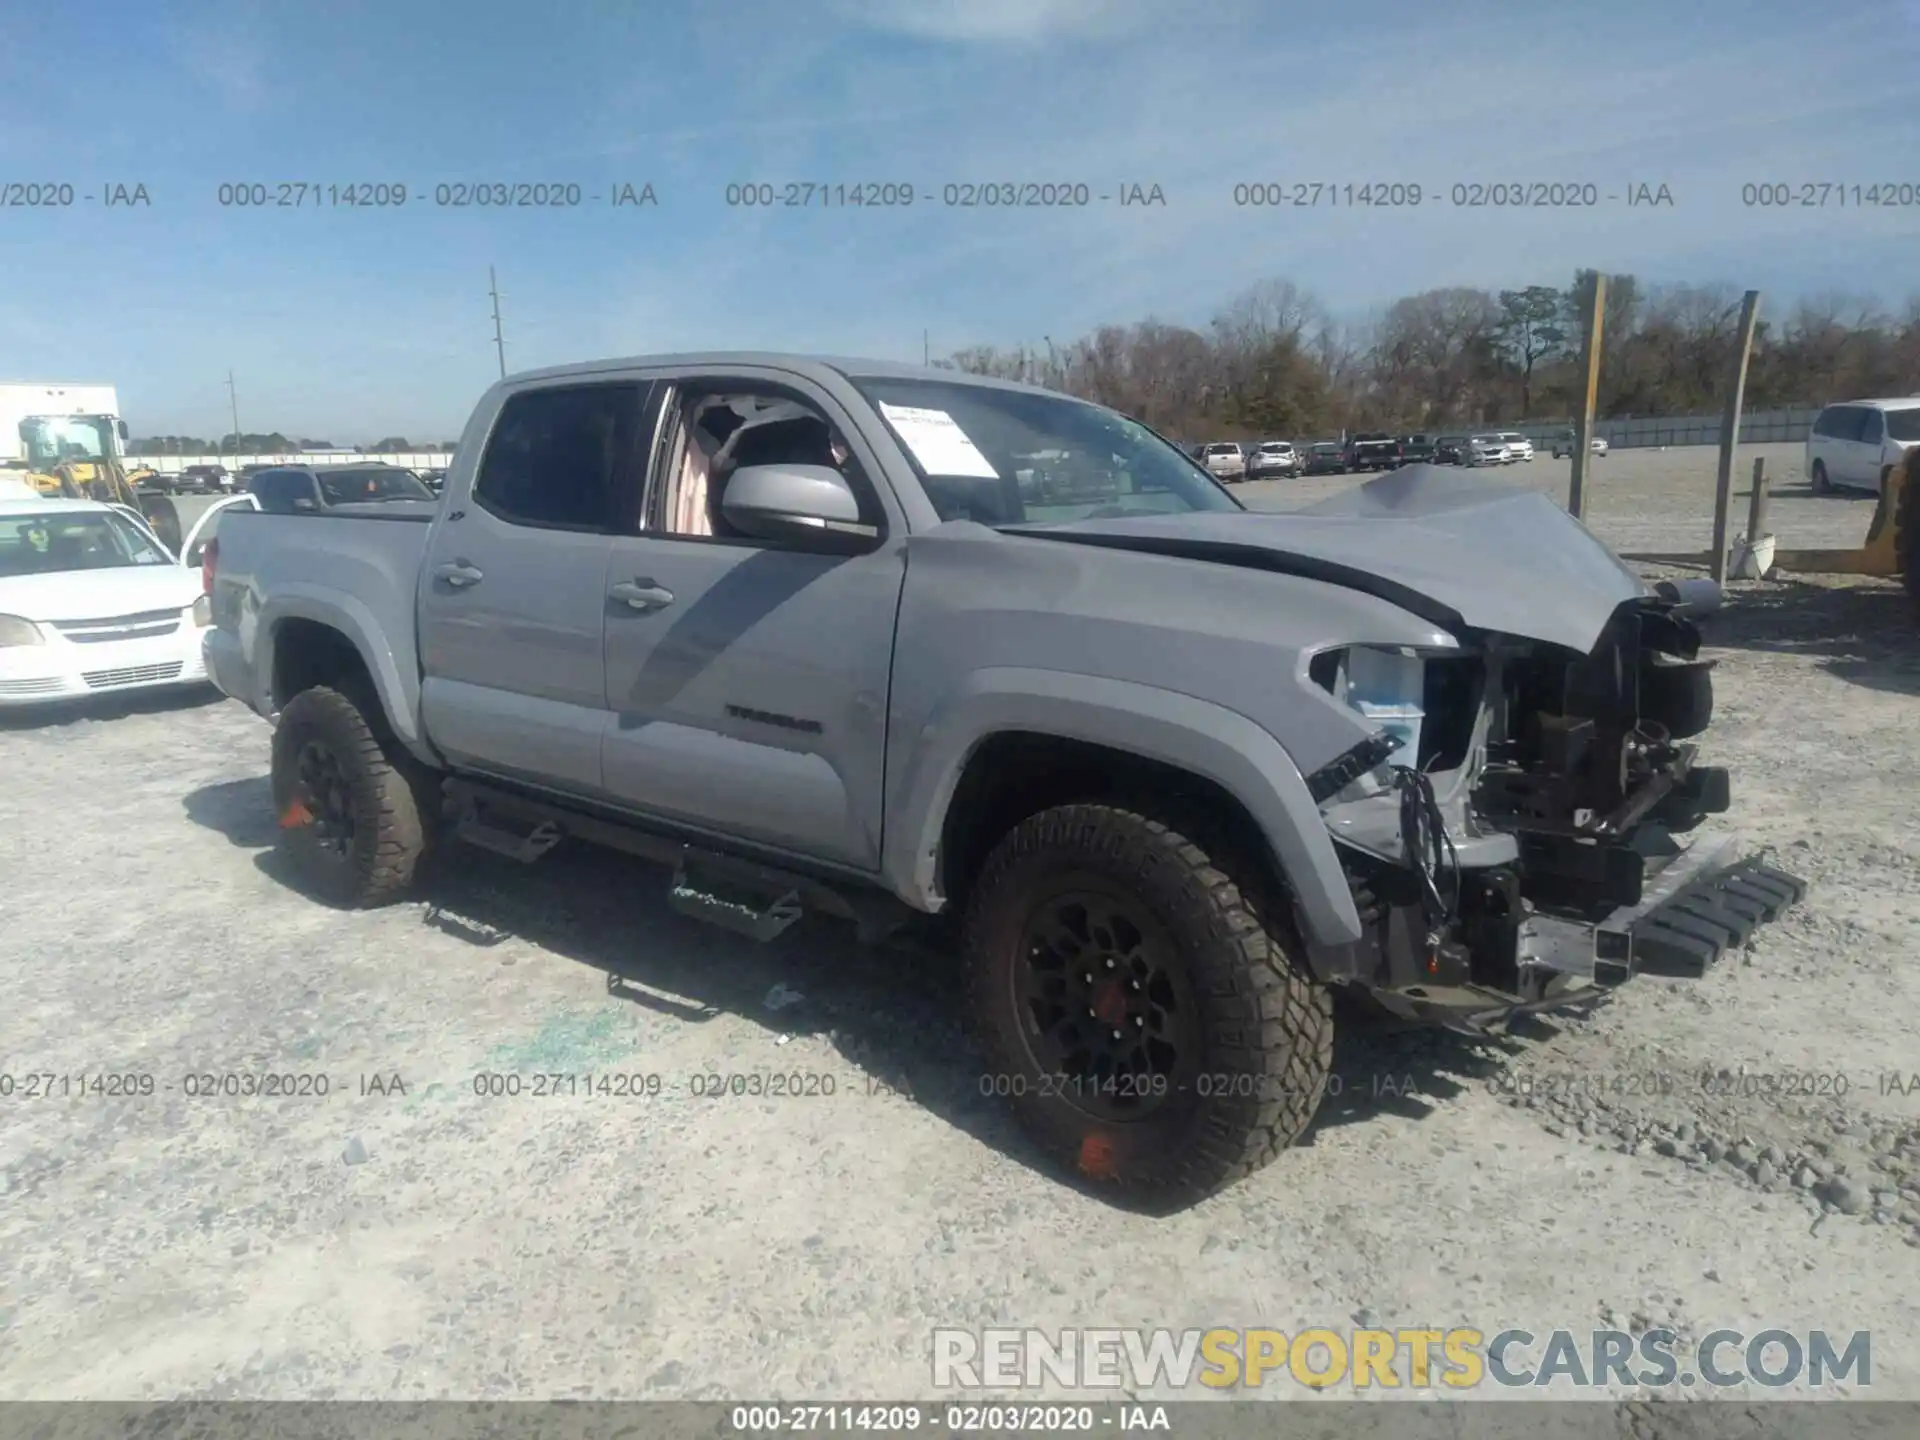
309, 641
1018, 741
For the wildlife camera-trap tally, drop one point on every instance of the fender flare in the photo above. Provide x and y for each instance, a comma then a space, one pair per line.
397, 693
1162, 725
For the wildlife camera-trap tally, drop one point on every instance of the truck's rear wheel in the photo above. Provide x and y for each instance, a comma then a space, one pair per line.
1150, 1023
352, 819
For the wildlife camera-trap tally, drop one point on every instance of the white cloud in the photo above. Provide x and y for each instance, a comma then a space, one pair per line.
225, 55
1016, 21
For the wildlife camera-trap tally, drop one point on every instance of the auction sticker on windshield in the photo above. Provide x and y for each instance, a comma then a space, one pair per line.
938, 442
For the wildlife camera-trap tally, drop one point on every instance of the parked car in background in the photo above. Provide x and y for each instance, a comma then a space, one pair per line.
1328, 457
1566, 442
1416, 450
284, 489
1856, 445
1450, 450
1273, 457
1485, 450
91, 601
1225, 460
208, 479
1519, 447
1373, 450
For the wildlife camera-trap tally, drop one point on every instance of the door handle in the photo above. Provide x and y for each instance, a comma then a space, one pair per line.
641, 594
459, 574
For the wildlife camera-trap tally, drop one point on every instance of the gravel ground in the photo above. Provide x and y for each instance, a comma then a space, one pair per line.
405, 1237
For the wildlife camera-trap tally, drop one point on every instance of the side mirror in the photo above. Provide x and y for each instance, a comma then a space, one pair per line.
808, 505
121, 426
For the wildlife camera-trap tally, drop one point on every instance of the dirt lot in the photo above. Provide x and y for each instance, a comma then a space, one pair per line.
403, 1236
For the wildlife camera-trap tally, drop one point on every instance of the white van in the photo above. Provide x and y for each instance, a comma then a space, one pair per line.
1856, 444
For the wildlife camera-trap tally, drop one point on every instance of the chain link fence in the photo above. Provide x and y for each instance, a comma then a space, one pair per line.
1760, 427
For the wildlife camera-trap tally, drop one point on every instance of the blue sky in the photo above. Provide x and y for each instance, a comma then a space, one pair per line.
351, 324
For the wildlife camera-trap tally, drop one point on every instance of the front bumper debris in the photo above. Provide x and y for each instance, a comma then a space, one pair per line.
1686, 933
1698, 907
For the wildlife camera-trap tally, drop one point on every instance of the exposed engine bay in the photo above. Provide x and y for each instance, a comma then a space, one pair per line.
1519, 810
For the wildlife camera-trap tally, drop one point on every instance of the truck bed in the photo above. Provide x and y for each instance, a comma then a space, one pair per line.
356, 567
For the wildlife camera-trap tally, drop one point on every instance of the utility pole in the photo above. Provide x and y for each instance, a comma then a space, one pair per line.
1730, 431
499, 344
233, 398
1590, 395
926, 347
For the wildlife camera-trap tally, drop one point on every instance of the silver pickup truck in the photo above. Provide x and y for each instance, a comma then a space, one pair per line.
886, 642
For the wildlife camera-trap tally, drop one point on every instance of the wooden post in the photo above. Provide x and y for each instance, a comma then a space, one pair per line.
1583, 429
1757, 501
1730, 433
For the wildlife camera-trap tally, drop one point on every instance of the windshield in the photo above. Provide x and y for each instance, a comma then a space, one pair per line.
1007, 457
1277, 448
1904, 424
52, 439
55, 541
354, 487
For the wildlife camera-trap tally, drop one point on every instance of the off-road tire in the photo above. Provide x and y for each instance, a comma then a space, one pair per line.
1265, 1026
1817, 480
389, 796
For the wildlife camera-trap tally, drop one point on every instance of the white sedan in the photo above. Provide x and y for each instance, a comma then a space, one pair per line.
1519, 447
92, 602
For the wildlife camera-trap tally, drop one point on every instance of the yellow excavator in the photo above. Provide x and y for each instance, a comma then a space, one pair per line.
1892, 548
81, 456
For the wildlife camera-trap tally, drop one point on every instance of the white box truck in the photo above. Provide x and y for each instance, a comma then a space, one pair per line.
18, 400
71, 438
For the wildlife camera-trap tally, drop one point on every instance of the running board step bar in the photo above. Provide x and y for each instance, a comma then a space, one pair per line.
744, 908
526, 846
744, 896
1714, 912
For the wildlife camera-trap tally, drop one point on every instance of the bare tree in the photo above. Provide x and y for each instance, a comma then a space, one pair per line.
1272, 362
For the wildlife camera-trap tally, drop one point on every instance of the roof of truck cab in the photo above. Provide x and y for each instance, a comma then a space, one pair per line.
814, 367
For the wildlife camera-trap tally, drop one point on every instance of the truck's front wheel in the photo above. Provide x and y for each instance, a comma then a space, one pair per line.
353, 821
1150, 1023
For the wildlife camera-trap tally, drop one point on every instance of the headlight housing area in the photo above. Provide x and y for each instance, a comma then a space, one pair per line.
203, 611
1420, 704
16, 631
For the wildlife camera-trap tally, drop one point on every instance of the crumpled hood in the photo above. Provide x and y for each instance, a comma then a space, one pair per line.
1458, 548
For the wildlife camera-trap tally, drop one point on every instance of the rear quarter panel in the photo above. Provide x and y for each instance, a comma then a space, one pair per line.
356, 574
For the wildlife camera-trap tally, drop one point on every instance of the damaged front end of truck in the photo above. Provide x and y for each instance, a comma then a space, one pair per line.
1520, 847
1519, 815
1520, 831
